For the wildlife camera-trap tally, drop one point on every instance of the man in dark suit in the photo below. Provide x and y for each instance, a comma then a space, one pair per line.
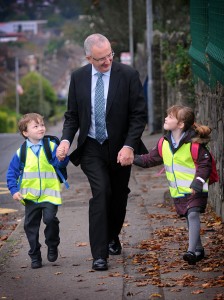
105, 161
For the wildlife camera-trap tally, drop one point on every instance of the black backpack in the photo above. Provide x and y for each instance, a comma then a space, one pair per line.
61, 172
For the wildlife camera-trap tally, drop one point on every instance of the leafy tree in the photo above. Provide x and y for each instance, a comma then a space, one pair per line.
6, 9
171, 15
110, 18
69, 9
38, 96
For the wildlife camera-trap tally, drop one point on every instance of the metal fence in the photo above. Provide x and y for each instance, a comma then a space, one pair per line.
207, 47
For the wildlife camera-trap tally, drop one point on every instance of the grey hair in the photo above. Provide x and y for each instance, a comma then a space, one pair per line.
92, 40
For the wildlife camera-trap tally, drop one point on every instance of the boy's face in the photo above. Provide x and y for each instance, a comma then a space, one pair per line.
35, 131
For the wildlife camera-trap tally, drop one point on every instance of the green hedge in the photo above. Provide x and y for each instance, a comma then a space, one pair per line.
8, 124
12, 124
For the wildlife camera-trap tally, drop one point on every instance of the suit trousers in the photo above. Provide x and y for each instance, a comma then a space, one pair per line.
33, 215
109, 185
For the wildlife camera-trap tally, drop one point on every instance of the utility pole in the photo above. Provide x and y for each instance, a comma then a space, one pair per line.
149, 21
17, 84
130, 18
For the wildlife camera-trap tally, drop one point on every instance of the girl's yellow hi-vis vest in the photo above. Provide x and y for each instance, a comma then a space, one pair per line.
180, 169
40, 182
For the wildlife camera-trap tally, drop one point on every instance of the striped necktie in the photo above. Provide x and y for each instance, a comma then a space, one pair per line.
100, 125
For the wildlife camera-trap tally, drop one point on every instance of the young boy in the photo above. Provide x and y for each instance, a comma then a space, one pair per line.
38, 188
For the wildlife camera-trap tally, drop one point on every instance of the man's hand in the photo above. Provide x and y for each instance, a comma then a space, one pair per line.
62, 150
125, 156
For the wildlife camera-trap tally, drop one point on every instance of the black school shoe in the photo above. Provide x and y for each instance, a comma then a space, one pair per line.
36, 263
100, 264
52, 254
190, 257
201, 254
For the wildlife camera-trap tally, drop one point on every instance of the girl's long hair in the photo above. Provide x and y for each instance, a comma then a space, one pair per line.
186, 115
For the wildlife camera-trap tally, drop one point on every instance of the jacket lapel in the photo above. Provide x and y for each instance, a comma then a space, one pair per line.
86, 89
114, 80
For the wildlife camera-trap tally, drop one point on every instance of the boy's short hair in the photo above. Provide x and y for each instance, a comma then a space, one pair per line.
27, 118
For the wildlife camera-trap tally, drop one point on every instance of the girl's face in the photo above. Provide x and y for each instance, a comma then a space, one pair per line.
35, 131
171, 123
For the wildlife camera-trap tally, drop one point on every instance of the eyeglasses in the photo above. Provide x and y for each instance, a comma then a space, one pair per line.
103, 59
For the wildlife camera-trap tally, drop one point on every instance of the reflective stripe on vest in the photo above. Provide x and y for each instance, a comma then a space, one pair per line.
180, 169
39, 180
30, 175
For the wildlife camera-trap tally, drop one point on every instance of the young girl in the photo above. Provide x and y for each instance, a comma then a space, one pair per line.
188, 185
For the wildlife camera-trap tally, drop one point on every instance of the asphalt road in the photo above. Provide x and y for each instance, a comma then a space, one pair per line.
9, 143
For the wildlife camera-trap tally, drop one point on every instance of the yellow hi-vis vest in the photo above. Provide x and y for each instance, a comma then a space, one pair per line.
39, 179
180, 169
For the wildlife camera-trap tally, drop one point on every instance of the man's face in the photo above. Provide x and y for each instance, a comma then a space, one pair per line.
101, 57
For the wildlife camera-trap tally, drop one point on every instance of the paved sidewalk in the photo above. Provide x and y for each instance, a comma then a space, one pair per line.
150, 266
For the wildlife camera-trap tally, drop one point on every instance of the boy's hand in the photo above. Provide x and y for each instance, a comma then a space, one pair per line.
62, 150
17, 196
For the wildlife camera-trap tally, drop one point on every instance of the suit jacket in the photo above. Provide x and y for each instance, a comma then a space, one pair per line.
126, 113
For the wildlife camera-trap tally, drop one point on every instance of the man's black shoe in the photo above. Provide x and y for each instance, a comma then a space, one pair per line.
36, 263
52, 254
114, 247
100, 264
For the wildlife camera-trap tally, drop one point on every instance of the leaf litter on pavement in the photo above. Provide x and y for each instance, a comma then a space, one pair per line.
162, 254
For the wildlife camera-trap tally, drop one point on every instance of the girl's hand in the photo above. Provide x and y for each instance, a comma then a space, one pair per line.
193, 191
17, 196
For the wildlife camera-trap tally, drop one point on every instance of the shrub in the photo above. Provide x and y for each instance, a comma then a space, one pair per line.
3, 122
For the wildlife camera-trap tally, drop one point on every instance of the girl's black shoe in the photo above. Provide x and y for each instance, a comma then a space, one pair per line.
201, 254
190, 257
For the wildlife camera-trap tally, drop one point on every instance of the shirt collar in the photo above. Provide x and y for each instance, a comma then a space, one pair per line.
94, 71
175, 145
30, 144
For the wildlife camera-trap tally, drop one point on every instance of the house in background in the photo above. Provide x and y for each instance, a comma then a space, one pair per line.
28, 27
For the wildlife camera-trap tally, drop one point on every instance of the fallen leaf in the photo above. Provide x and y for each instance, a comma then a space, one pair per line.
126, 224
207, 269
4, 237
197, 292
81, 244
116, 274
155, 295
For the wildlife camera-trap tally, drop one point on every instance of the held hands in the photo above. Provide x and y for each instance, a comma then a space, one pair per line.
62, 150
125, 156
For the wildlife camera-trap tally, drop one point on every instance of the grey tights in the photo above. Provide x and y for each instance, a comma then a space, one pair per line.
193, 222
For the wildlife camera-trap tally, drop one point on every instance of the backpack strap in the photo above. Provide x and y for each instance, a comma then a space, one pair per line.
22, 161
22, 157
62, 177
194, 151
47, 149
160, 145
